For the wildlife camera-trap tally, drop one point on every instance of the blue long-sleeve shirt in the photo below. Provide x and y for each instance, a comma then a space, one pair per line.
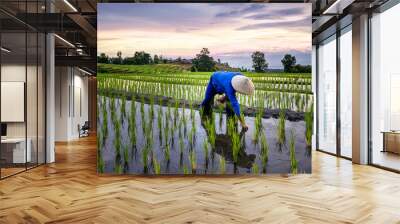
220, 83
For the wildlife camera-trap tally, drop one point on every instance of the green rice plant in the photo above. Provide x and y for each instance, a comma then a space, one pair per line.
166, 135
132, 125
118, 168
142, 114
210, 128
159, 117
232, 126
235, 146
192, 114
176, 113
264, 151
191, 138
308, 118
192, 159
292, 150
169, 115
281, 128
105, 122
222, 165
126, 154
205, 148
151, 112
117, 143
258, 124
157, 166
167, 152
254, 168
185, 170
220, 110
123, 107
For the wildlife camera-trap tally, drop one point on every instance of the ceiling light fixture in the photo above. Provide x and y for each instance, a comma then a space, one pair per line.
86, 72
70, 5
337, 7
5, 50
64, 40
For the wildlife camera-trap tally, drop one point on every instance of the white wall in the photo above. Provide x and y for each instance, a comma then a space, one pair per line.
71, 87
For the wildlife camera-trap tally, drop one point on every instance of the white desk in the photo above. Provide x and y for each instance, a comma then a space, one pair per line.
18, 144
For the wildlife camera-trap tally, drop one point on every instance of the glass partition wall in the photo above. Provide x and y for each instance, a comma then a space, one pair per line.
385, 90
334, 94
22, 77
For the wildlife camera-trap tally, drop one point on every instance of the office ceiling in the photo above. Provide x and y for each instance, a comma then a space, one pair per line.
74, 22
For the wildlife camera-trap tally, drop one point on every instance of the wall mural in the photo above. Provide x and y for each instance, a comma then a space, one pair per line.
204, 88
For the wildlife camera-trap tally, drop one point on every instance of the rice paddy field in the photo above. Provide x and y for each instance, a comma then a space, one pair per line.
150, 122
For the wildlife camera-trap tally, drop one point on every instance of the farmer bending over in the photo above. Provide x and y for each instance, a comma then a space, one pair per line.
227, 83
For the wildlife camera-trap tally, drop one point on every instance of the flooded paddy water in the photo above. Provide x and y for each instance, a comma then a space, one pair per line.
173, 140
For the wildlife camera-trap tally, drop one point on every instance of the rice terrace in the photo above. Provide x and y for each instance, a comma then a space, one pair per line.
149, 122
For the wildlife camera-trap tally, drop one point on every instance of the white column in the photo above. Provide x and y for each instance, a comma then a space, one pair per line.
50, 98
314, 90
360, 90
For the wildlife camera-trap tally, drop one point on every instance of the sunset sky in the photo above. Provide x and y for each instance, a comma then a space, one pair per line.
230, 31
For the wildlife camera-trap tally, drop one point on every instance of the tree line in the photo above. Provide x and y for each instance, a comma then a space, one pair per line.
203, 62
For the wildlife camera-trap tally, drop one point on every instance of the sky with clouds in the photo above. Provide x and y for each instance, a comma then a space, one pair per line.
230, 31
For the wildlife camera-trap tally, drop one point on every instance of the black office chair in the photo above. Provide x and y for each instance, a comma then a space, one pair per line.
84, 130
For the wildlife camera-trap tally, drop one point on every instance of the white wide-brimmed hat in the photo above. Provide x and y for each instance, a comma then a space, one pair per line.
243, 85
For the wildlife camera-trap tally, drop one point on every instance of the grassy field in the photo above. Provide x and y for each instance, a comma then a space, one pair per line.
149, 122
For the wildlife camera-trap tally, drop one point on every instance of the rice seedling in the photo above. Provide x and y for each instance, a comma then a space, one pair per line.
308, 118
264, 151
292, 150
132, 126
123, 107
191, 138
281, 128
126, 154
166, 135
222, 165
192, 159
210, 128
185, 170
205, 148
157, 166
258, 124
167, 152
105, 122
142, 115
151, 112
176, 113
232, 126
254, 168
235, 146
220, 109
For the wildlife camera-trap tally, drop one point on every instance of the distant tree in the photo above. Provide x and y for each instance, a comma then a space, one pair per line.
203, 62
288, 62
259, 62
119, 55
103, 58
301, 69
139, 58
219, 61
156, 59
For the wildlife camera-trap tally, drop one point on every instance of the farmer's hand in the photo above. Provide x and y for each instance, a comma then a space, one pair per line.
245, 127
222, 99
